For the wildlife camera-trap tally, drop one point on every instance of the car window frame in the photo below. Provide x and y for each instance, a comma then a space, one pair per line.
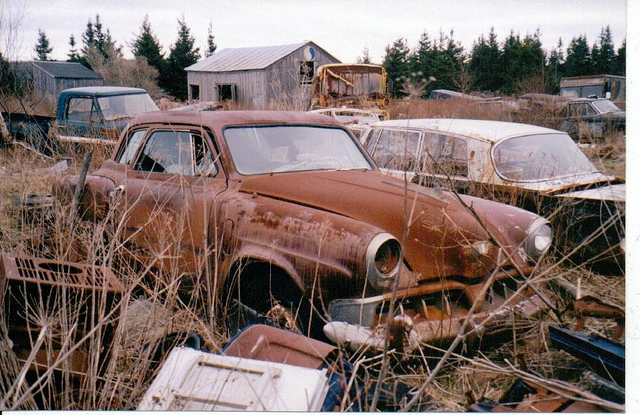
213, 170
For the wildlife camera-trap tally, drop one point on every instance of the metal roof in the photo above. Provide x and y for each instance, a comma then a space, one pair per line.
69, 70
492, 131
243, 59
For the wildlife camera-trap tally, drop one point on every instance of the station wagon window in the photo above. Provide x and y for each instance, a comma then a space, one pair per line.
131, 148
81, 109
446, 155
178, 152
396, 149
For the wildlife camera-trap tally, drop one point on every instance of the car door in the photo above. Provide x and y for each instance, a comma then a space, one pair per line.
171, 180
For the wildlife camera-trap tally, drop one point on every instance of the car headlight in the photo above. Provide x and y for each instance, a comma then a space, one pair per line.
384, 256
539, 239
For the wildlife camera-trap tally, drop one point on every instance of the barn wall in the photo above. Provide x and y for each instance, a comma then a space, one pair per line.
49, 87
276, 87
250, 86
284, 78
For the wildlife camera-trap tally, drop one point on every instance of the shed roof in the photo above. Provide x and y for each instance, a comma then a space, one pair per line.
69, 70
243, 59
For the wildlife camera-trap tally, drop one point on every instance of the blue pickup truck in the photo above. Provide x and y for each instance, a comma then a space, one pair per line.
83, 115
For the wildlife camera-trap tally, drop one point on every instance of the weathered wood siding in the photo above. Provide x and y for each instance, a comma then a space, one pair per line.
50, 87
275, 87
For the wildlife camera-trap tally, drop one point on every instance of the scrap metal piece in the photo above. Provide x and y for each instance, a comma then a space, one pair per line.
195, 380
602, 355
51, 272
270, 344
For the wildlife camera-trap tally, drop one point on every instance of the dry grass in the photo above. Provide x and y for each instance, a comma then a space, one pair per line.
152, 305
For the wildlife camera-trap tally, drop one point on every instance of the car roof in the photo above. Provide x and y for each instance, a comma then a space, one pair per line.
487, 130
105, 90
221, 119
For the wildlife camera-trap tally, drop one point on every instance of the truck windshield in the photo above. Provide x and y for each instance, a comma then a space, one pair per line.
125, 106
605, 106
540, 157
274, 149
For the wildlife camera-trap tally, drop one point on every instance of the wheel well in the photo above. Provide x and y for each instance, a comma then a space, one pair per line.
259, 281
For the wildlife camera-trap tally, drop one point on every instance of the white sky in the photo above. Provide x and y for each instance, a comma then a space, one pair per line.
341, 27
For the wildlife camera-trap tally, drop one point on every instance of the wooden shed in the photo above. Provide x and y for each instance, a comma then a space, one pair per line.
270, 77
48, 78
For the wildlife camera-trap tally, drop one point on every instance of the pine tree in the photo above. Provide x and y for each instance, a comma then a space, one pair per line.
42, 47
555, 68
603, 53
181, 55
396, 62
578, 60
485, 64
73, 52
146, 45
97, 40
620, 60
211, 44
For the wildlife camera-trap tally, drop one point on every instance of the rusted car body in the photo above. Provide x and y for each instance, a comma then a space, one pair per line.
539, 169
289, 207
351, 85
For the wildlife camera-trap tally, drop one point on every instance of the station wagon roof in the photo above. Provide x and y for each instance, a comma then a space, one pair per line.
492, 131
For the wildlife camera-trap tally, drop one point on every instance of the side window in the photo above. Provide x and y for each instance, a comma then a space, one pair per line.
81, 109
588, 110
131, 147
446, 155
397, 150
177, 152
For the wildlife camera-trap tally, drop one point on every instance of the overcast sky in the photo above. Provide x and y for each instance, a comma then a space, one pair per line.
341, 27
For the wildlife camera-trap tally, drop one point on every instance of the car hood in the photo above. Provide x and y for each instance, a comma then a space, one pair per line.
443, 232
612, 192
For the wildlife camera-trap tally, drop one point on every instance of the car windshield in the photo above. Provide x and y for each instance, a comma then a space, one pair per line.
125, 106
274, 149
540, 157
605, 106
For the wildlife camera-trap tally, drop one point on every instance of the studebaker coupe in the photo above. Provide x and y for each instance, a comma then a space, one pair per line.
287, 210
539, 169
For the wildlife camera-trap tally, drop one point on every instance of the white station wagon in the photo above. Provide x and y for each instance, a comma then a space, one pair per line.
540, 169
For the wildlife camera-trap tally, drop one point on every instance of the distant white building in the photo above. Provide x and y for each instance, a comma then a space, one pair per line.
258, 77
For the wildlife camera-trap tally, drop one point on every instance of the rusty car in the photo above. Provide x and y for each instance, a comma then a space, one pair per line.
287, 211
539, 169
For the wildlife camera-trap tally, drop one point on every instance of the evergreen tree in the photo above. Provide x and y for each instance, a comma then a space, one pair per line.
485, 64
578, 60
525, 67
555, 68
97, 40
73, 52
396, 63
146, 45
603, 53
365, 59
42, 47
211, 44
181, 55
620, 60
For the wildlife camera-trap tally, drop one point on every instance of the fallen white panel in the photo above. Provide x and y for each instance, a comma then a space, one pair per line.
200, 381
